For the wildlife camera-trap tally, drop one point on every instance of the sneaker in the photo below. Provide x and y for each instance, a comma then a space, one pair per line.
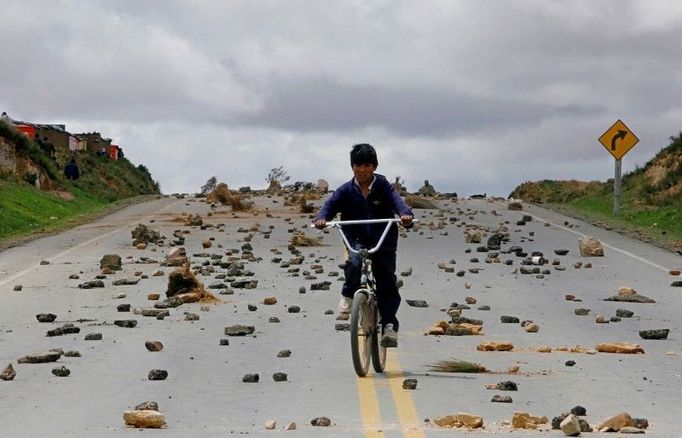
344, 304
390, 337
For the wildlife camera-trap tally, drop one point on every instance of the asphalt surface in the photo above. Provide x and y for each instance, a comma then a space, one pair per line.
204, 396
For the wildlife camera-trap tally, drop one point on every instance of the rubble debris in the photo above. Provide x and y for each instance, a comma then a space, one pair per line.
459, 420
619, 347
145, 419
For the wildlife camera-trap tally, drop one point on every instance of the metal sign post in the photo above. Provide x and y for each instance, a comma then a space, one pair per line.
617, 189
618, 140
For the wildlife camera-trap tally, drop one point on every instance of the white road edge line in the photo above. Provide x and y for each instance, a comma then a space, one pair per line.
622, 251
80, 245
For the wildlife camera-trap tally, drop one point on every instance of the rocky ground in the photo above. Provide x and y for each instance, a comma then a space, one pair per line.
507, 324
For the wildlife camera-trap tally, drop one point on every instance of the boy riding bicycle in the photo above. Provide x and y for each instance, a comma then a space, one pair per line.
369, 196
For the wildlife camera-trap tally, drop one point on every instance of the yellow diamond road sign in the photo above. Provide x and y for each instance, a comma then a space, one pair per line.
618, 139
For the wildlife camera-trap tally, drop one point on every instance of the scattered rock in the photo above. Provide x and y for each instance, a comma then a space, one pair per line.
111, 261
145, 419
616, 423
250, 378
509, 319
46, 317
157, 375
93, 337
125, 323
61, 371
321, 422
460, 420
570, 426
279, 377
417, 303
523, 420
147, 406
268, 301
495, 346
270, 425
410, 384
239, 330
590, 247
153, 346
619, 347
290, 426
18, 288
91, 284
8, 373
294, 309
654, 334
501, 399
581, 312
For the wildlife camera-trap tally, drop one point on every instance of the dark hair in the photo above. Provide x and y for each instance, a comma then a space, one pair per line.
363, 153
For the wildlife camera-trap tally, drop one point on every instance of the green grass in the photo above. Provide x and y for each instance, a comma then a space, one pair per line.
659, 224
25, 209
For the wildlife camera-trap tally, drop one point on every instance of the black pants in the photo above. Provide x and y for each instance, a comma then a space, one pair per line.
383, 267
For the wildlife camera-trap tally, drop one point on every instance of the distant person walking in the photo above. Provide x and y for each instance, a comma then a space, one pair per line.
71, 170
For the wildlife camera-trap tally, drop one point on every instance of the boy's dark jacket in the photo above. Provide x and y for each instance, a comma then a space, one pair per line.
382, 202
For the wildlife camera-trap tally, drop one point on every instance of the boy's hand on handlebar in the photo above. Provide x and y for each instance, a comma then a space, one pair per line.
320, 224
406, 221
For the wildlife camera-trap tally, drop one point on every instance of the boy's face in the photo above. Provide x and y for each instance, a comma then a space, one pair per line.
364, 173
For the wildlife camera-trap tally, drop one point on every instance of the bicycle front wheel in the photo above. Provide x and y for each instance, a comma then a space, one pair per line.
378, 352
360, 333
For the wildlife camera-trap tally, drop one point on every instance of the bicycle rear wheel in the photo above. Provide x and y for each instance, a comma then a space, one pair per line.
378, 352
360, 332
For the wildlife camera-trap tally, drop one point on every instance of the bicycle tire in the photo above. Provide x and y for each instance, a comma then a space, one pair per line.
360, 338
378, 352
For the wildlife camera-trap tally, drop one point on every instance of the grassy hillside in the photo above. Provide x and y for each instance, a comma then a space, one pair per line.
25, 209
651, 203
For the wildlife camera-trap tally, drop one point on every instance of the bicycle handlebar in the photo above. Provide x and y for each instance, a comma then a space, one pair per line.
339, 224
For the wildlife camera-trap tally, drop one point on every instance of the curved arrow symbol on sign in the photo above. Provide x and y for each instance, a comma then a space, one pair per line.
621, 135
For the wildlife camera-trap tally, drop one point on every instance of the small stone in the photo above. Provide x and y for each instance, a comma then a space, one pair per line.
470, 300
270, 425
624, 313
273, 319
268, 301
619, 348
615, 423
252, 307
224, 342
570, 363
126, 323
153, 346
250, 378
61, 371
531, 328
501, 399
147, 406
654, 334
321, 422
46, 317
410, 384
417, 303
157, 375
144, 419
8, 373
509, 319
294, 309
239, 330
600, 319
279, 377
72, 353
484, 307
569, 297
641, 423
123, 308
570, 426
630, 430
581, 312
18, 288
284, 353
191, 317
579, 411
301, 290
153, 296
290, 426
93, 337
507, 386
561, 252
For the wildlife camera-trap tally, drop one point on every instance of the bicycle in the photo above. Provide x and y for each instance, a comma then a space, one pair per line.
365, 330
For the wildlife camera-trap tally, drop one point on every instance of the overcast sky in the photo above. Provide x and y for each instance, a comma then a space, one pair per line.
475, 96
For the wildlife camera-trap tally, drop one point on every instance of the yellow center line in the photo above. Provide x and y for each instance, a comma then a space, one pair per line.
369, 408
407, 413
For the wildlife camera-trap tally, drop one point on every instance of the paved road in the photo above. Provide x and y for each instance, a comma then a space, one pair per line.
204, 395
